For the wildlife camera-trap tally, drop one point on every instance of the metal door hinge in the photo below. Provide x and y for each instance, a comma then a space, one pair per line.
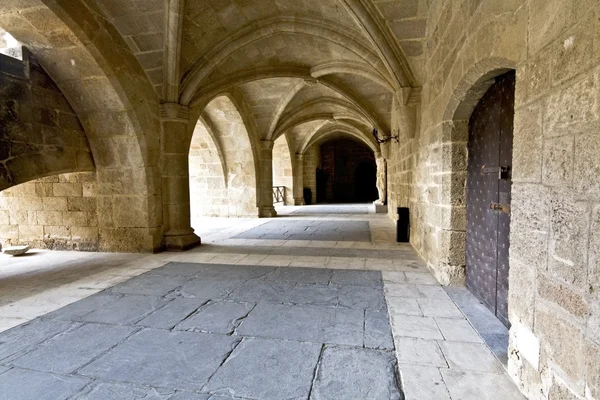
505, 208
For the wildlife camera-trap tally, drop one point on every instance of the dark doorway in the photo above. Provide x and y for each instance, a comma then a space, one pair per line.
348, 173
365, 182
489, 195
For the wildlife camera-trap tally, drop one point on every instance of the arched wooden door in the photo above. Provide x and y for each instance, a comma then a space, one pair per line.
489, 195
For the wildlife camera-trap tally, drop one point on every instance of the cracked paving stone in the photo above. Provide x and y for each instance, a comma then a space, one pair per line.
301, 275
26, 336
305, 323
79, 308
70, 350
179, 360
125, 310
356, 373
361, 297
179, 269
122, 391
312, 294
216, 317
150, 285
267, 370
234, 272
19, 384
172, 313
262, 291
209, 288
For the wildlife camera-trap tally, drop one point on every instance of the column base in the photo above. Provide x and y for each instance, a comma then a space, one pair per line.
266, 212
299, 201
181, 242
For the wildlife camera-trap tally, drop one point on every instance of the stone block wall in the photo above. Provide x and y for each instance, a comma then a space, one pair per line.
40, 134
554, 301
312, 161
56, 212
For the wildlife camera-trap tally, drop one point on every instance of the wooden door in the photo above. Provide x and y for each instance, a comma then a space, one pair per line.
488, 195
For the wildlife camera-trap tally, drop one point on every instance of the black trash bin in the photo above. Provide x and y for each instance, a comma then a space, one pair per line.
403, 225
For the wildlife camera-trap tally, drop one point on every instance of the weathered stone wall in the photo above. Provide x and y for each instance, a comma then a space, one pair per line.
40, 134
554, 46
312, 161
56, 212
282, 168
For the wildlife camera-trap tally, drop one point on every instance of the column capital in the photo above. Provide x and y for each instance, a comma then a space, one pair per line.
174, 112
266, 144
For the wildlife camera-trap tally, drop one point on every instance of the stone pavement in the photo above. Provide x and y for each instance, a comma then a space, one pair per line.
290, 318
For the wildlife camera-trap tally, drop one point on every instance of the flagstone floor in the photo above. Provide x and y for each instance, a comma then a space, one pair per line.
318, 303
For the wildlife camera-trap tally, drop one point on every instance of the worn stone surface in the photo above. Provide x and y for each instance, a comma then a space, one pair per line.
347, 373
40, 385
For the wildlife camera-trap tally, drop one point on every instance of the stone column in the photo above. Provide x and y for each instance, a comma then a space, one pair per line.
299, 181
265, 205
177, 232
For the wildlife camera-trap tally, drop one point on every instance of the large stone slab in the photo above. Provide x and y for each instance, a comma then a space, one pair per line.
480, 386
172, 313
125, 310
209, 288
360, 278
70, 350
267, 370
220, 317
26, 336
355, 373
75, 310
19, 384
178, 360
234, 272
151, 285
302, 275
305, 323
266, 291
318, 295
361, 297
179, 269
122, 391
378, 332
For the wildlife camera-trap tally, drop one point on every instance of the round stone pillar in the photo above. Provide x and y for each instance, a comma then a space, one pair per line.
177, 231
265, 204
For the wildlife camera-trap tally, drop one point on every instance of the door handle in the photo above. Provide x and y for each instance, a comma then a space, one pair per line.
505, 208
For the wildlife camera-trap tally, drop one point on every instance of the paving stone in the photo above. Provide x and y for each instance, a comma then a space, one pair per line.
163, 359
267, 370
125, 310
419, 351
172, 313
68, 351
402, 305
498, 343
413, 326
439, 308
79, 308
393, 276
423, 383
217, 317
154, 285
476, 386
433, 292
318, 295
420, 278
305, 323
470, 357
356, 373
360, 278
121, 391
19, 384
234, 272
378, 332
209, 288
302, 275
194, 396
458, 330
179, 269
26, 336
262, 291
402, 290
361, 297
